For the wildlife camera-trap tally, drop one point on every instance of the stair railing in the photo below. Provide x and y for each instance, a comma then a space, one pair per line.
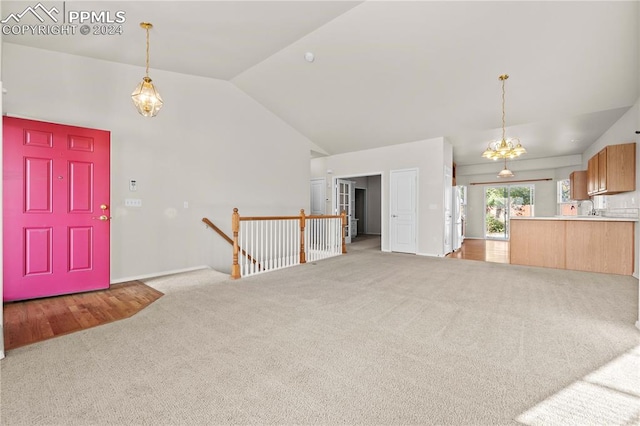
277, 242
230, 241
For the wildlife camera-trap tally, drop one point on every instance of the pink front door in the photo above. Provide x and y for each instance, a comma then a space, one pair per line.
56, 209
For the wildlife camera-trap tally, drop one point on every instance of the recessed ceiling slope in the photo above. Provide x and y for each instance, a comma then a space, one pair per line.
217, 39
393, 72
389, 72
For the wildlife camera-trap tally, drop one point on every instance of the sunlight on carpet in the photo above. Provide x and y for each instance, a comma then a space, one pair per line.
607, 396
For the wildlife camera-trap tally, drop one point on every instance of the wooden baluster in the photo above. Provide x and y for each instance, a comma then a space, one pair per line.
235, 227
344, 230
303, 258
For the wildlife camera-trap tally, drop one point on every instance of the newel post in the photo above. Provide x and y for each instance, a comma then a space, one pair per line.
344, 230
303, 256
235, 228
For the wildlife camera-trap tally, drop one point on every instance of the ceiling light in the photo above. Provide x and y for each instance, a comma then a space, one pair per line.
505, 173
309, 57
145, 97
504, 148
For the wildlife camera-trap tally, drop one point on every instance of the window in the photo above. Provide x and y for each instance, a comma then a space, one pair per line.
566, 206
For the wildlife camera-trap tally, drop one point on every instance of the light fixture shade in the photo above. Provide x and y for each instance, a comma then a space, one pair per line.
488, 153
505, 173
519, 150
504, 148
146, 98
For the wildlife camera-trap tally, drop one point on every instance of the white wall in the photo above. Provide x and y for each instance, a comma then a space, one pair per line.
623, 131
211, 146
428, 156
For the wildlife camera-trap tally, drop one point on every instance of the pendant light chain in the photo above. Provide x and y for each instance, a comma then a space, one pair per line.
504, 148
147, 70
503, 78
145, 96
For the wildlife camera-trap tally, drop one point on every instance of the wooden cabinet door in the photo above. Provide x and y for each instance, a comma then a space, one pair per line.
578, 185
621, 168
592, 175
602, 170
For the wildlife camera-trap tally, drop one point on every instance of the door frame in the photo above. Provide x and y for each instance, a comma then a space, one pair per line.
383, 200
507, 208
447, 211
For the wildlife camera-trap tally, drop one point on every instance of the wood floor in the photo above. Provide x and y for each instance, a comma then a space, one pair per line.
40, 319
486, 250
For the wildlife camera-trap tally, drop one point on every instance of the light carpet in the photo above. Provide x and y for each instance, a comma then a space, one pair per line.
364, 338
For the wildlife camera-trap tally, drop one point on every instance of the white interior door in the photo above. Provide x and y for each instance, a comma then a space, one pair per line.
345, 195
403, 211
318, 196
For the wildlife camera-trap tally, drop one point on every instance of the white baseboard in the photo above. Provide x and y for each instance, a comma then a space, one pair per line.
637, 324
635, 275
158, 274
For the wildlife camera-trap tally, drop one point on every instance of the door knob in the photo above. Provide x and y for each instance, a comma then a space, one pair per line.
103, 206
394, 215
103, 217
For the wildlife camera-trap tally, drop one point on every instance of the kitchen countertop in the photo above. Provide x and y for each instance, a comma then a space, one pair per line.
587, 218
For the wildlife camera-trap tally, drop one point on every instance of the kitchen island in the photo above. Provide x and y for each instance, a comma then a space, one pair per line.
582, 243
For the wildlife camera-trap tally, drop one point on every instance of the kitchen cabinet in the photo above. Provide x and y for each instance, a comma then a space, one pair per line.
592, 175
612, 170
596, 246
602, 170
537, 243
578, 185
580, 244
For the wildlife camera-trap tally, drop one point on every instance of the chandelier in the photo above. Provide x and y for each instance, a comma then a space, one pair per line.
145, 97
504, 148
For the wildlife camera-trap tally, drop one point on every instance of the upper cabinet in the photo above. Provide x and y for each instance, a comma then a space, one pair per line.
578, 185
612, 170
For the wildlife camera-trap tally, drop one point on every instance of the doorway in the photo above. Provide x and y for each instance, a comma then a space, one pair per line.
366, 194
360, 210
501, 204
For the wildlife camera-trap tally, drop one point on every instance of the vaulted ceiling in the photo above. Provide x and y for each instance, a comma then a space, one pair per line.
389, 72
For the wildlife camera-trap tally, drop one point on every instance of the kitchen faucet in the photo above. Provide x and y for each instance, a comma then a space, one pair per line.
592, 211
